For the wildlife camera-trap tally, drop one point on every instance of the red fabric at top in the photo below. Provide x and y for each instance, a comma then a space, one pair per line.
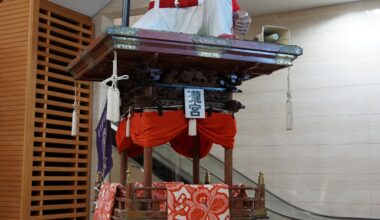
235, 5
187, 3
149, 130
126, 144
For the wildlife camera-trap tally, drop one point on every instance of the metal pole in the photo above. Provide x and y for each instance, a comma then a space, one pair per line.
126, 13
124, 23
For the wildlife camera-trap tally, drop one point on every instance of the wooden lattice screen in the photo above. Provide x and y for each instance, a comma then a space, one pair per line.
61, 163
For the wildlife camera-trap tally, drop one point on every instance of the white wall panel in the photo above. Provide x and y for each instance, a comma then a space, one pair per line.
329, 163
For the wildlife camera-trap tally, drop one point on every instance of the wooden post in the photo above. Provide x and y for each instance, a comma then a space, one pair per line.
228, 159
148, 159
196, 161
129, 197
123, 167
259, 210
148, 165
228, 166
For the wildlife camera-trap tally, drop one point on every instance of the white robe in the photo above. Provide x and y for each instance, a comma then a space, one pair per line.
210, 17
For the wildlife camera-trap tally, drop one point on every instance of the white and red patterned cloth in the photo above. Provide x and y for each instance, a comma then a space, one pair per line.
184, 202
106, 201
198, 202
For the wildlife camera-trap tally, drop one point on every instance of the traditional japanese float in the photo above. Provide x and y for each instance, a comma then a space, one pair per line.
180, 90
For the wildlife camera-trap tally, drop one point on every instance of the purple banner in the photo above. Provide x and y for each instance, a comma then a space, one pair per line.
104, 144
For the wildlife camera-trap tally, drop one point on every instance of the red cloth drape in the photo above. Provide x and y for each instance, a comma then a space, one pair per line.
126, 144
148, 129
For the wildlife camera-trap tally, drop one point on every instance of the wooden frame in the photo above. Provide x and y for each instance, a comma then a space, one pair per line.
61, 163
138, 47
129, 206
134, 45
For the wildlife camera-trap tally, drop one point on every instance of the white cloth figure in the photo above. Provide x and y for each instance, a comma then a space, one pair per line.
210, 17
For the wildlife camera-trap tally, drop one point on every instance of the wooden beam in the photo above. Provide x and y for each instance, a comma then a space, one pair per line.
228, 166
196, 160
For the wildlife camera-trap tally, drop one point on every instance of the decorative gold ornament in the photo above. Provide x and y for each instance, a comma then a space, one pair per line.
207, 177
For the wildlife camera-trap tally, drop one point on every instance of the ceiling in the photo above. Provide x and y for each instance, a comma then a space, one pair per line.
255, 7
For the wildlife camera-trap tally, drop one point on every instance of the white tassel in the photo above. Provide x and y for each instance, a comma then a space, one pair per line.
128, 126
113, 104
75, 122
116, 106
113, 93
110, 103
289, 106
192, 127
289, 115
75, 115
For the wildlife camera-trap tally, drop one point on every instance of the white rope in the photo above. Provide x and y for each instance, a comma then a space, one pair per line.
113, 93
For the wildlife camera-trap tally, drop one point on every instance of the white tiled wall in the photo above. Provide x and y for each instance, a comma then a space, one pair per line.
330, 162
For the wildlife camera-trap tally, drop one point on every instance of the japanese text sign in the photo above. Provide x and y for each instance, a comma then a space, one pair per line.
194, 103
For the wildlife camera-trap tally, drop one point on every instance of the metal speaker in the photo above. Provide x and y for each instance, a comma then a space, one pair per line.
274, 34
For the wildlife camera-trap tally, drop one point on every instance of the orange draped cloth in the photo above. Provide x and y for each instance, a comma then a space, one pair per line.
148, 129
